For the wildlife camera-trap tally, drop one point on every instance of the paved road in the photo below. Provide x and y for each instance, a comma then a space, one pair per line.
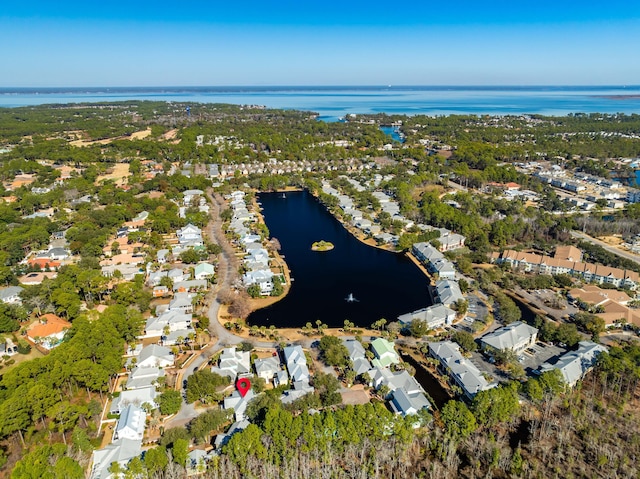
609, 248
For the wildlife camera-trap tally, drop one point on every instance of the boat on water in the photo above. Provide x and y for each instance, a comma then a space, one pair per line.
283, 195
351, 298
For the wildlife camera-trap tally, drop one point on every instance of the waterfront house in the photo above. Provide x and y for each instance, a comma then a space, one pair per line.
385, 353
435, 316
358, 357
267, 368
448, 292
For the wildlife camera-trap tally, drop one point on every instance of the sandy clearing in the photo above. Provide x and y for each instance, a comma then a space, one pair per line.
118, 174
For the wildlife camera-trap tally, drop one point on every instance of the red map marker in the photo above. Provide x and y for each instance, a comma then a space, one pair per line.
243, 385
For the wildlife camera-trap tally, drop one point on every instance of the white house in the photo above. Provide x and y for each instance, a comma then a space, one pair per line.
233, 363
155, 356
358, 356
144, 377
267, 368
407, 404
131, 423
203, 271
138, 397
120, 451
435, 316
296, 363
11, 295
516, 336
461, 372
575, 364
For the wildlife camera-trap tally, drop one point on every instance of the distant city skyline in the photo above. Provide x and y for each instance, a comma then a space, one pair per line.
197, 43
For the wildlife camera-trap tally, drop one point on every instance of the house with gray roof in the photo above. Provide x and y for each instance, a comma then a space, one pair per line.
120, 451
448, 292
357, 355
444, 268
238, 403
516, 337
131, 423
181, 302
144, 377
155, 356
300, 389
296, 363
267, 368
461, 371
175, 320
394, 380
426, 253
407, 404
222, 439
451, 241
196, 462
162, 255
190, 285
574, 365
11, 295
138, 397
233, 363
435, 316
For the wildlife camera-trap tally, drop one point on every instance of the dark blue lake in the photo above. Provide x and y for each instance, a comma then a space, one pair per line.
385, 284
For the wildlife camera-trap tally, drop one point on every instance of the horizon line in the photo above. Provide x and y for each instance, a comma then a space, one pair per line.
333, 86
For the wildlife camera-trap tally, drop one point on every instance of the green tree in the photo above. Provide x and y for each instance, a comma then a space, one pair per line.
169, 401
496, 405
155, 459
465, 340
254, 291
203, 386
180, 451
418, 328
459, 421
47, 461
333, 351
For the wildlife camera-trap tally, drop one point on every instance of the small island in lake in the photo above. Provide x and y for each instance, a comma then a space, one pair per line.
322, 246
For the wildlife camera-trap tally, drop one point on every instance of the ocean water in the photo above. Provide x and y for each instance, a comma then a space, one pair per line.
332, 103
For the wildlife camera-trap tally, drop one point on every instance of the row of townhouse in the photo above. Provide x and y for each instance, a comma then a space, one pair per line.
138, 393
256, 260
282, 167
590, 272
446, 292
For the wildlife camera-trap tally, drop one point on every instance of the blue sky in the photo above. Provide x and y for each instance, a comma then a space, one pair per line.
145, 43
